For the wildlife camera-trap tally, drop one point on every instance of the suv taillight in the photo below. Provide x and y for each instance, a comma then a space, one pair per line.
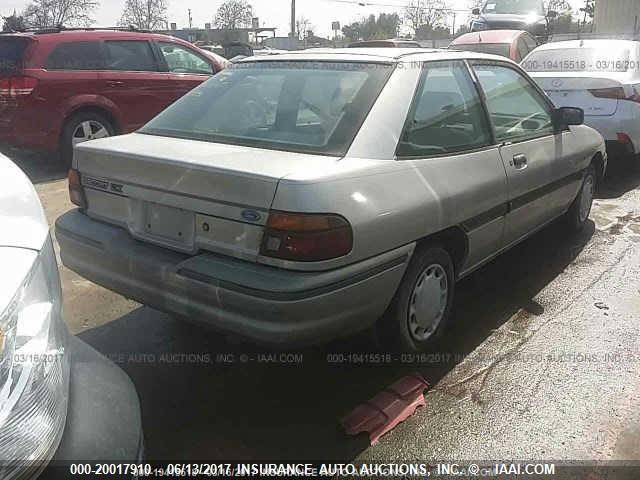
17, 86
76, 194
306, 237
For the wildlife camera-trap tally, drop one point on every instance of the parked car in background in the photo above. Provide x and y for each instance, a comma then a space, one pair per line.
391, 43
60, 400
305, 196
63, 87
600, 76
529, 15
230, 50
513, 44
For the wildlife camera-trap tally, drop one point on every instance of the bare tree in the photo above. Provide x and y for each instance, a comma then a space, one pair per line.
303, 25
234, 14
425, 14
145, 14
53, 13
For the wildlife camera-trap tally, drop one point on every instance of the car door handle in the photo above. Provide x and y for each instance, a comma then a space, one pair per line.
519, 161
115, 83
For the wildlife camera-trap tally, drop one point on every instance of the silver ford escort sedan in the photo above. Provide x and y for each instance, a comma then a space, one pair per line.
298, 198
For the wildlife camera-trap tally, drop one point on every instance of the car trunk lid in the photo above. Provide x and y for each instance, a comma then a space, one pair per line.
183, 194
596, 95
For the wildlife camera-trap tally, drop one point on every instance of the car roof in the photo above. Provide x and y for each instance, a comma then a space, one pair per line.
590, 43
374, 55
53, 35
488, 36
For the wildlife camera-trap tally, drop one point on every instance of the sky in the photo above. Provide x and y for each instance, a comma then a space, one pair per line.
272, 13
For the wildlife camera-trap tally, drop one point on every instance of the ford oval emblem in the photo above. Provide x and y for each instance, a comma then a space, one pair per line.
251, 215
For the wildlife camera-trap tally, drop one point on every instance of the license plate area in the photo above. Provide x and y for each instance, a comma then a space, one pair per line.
169, 226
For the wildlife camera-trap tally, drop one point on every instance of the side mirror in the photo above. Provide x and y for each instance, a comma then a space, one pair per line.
566, 116
552, 14
475, 11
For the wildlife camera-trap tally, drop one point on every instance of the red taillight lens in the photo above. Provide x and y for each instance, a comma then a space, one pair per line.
613, 92
17, 86
76, 194
306, 237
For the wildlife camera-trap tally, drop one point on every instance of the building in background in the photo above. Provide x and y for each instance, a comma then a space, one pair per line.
254, 36
617, 17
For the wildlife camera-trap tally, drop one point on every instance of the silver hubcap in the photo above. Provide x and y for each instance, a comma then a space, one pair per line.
89, 130
428, 302
586, 198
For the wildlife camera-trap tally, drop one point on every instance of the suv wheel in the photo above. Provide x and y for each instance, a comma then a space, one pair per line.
421, 308
578, 214
80, 128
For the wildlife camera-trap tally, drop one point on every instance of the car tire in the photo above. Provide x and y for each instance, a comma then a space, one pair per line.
83, 125
578, 214
421, 307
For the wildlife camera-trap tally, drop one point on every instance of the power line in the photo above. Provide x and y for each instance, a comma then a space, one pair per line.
378, 4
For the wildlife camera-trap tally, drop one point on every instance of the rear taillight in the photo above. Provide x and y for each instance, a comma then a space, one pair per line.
624, 138
17, 86
306, 237
76, 194
613, 92
616, 93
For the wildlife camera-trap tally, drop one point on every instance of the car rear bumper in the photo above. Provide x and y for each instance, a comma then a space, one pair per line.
104, 423
22, 126
624, 121
266, 304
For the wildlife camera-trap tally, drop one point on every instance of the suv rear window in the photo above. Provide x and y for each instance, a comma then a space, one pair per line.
76, 56
12, 53
315, 107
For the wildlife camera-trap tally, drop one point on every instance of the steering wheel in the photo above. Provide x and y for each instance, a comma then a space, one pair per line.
519, 127
253, 113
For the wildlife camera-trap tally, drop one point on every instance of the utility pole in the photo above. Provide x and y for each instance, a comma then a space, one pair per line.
293, 19
190, 20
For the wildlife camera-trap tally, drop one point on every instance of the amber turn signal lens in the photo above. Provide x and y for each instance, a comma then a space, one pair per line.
76, 194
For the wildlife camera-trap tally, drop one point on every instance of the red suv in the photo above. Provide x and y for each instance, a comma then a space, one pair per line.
59, 88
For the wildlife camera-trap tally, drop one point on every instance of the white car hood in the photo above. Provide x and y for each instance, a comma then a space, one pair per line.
22, 220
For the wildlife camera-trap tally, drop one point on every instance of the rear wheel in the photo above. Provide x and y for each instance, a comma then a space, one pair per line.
578, 214
80, 128
421, 308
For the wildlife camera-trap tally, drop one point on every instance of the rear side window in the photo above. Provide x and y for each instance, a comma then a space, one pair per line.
181, 60
130, 55
76, 56
447, 117
11, 53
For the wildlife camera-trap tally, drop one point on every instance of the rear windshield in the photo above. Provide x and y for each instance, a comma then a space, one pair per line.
11, 53
515, 7
298, 106
580, 60
493, 48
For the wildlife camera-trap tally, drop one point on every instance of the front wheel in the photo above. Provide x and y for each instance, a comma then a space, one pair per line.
578, 214
421, 307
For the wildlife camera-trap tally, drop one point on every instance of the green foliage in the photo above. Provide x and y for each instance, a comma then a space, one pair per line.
13, 23
372, 28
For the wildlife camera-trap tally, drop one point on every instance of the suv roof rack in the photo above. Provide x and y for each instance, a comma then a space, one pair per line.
61, 28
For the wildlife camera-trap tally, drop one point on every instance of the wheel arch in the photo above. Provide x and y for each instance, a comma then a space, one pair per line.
98, 109
454, 240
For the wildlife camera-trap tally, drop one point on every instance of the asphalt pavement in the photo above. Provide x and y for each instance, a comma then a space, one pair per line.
541, 360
